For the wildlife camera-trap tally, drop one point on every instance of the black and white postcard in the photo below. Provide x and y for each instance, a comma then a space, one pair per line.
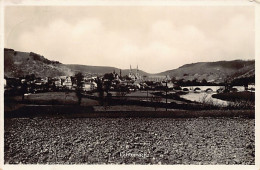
129, 83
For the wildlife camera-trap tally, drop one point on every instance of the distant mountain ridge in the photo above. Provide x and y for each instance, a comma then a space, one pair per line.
102, 69
213, 71
18, 64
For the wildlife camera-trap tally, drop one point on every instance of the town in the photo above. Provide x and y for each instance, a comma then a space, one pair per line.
131, 82
117, 86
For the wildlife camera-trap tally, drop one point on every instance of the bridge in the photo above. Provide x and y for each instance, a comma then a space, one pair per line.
208, 88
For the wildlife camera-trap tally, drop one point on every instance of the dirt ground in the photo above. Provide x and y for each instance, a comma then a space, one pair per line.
129, 141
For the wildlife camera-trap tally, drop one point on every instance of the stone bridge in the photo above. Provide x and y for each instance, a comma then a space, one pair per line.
208, 88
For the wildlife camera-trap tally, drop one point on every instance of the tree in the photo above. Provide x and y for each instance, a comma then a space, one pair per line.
180, 82
79, 88
188, 83
126, 77
173, 80
107, 86
195, 82
30, 77
23, 89
156, 101
100, 90
120, 74
204, 82
109, 76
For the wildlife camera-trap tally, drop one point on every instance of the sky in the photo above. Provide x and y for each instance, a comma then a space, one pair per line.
156, 38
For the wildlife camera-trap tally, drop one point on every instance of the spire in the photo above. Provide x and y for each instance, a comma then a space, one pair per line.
130, 72
137, 73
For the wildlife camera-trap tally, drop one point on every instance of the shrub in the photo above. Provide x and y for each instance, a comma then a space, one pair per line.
241, 104
208, 102
234, 104
236, 96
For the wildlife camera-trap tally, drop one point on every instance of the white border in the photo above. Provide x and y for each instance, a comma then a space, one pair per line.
255, 3
130, 2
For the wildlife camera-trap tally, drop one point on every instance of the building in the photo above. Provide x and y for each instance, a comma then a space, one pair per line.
116, 76
67, 83
135, 76
57, 81
157, 78
251, 87
89, 86
131, 75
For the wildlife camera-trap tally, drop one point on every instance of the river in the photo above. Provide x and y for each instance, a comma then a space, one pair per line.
204, 97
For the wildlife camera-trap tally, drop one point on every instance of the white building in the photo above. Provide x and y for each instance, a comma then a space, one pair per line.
67, 83
251, 87
89, 86
157, 78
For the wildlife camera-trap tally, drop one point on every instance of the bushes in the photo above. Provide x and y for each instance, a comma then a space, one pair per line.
209, 103
241, 105
234, 102
38, 57
236, 96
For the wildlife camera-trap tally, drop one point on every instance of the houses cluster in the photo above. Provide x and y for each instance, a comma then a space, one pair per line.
135, 81
110, 82
32, 84
69, 83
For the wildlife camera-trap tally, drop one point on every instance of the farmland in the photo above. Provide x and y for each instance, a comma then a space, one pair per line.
58, 131
129, 141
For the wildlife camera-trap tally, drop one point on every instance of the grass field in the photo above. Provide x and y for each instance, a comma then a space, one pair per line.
49, 98
131, 104
70, 98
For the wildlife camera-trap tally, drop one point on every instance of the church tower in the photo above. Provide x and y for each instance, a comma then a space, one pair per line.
130, 72
137, 73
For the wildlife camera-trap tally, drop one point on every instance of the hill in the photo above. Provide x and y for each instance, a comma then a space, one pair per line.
213, 71
101, 69
19, 64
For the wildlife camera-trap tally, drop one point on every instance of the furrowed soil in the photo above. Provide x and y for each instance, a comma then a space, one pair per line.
129, 140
